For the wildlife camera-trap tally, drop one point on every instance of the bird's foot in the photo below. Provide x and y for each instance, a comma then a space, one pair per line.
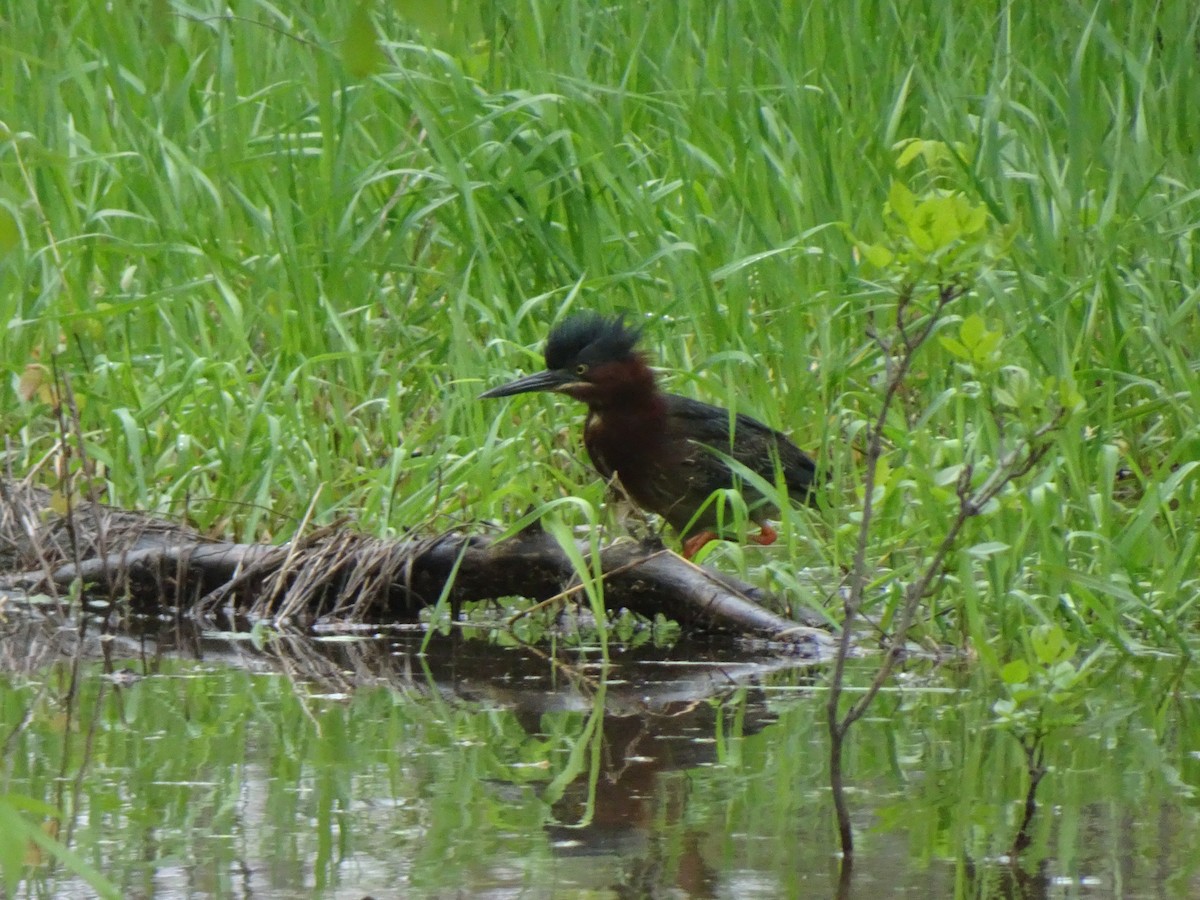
765, 536
693, 544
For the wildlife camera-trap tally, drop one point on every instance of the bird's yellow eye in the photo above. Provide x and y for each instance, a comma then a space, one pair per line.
581, 369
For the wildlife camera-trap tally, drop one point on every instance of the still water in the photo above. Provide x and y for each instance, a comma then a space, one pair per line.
187, 764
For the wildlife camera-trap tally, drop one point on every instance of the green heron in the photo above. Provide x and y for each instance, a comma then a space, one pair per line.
669, 453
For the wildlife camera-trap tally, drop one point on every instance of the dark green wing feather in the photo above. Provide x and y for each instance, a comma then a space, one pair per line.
757, 446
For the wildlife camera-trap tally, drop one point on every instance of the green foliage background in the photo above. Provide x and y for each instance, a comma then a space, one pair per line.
277, 255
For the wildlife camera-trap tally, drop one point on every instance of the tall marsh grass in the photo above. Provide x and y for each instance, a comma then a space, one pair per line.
278, 254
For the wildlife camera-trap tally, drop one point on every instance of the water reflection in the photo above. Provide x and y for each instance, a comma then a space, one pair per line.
194, 763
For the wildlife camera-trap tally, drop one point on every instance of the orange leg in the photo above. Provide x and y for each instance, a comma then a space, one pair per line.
693, 544
766, 535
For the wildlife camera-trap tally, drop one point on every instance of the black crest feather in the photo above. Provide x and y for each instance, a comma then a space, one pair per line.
590, 338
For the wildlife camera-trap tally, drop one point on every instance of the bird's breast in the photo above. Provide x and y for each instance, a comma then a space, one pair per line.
625, 444
639, 451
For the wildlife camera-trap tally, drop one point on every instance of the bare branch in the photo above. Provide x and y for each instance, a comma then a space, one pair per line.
971, 502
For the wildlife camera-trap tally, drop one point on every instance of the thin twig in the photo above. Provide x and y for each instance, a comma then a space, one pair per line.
971, 503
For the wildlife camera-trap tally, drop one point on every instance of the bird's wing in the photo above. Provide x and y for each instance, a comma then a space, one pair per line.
758, 446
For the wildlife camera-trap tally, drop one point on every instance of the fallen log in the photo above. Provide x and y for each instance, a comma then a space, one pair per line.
342, 576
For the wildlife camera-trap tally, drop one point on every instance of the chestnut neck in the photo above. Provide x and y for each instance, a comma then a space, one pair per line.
624, 388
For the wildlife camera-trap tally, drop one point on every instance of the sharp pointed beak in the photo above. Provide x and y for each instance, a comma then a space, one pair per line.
549, 380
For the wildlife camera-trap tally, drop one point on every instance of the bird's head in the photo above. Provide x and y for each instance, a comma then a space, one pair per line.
591, 358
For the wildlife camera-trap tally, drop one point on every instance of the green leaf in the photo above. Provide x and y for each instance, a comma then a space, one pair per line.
902, 202
1049, 645
1015, 672
988, 548
955, 347
987, 346
921, 238
943, 221
877, 255
913, 147
975, 219
1023, 693
972, 329
1063, 676
976, 342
